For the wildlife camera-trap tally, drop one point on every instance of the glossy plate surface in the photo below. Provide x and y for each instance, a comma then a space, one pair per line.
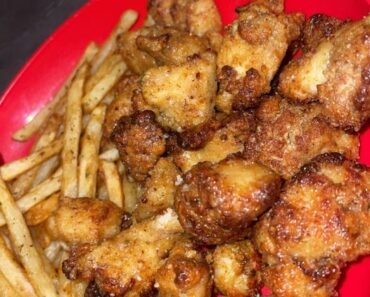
45, 72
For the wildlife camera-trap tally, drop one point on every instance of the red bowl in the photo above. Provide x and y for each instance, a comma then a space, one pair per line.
45, 72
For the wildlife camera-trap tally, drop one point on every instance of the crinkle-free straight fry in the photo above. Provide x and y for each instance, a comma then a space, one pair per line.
13, 169
127, 20
46, 169
89, 157
23, 244
7, 290
13, 272
73, 127
113, 183
97, 93
111, 155
35, 124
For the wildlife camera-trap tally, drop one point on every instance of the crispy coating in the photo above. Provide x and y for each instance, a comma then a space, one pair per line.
236, 269
198, 17
140, 141
185, 273
251, 52
181, 106
159, 190
336, 73
84, 220
218, 203
288, 136
229, 138
122, 102
126, 264
319, 224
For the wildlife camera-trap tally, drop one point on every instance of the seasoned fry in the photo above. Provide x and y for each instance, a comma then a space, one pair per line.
15, 168
112, 181
7, 290
46, 169
72, 133
111, 155
13, 272
127, 20
41, 211
90, 153
97, 93
32, 127
23, 244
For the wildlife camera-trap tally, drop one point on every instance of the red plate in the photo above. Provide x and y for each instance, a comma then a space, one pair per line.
44, 73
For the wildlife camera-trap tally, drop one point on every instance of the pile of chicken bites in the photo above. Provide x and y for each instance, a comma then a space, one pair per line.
226, 161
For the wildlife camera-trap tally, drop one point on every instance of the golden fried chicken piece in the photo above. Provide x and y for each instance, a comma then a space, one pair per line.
218, 203
182, 96
159, 190
140, 141
251, 52
122, 103
126, 264
218, 140
85, 220
319, 224
336, 73
288, 136
185, 273
236, 269
197, 17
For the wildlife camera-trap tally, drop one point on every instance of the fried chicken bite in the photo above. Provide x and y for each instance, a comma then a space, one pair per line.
182, 96
126, 264
236, 269
215, 141
184, 274
198, 17
337, 74
140, 141
288, 136
84, 220
159, 190
252, 50
319, 224
218, 203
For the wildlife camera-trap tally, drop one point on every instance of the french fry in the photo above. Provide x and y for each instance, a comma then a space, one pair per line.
7, 290
113, 183
46, 169
35, 124
64, 284
89, 157
41, 211
14, 273
111, 155
37, 194
97, 93
127, 20
130, 194
22, 241
72, 133
13, 169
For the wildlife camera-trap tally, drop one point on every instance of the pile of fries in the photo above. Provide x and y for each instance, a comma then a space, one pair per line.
65, 161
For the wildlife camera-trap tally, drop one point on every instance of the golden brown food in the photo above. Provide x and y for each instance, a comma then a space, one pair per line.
336, 73
319, 224
251, 52
218, 203
182, 96
159, 190
127, 263
236, 269
140, 141
185, 273
229, 138
84, 220
288, 136
198, 17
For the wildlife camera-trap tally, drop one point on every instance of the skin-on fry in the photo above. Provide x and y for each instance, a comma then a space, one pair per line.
127, 20
89, 156
13, 272
111, 155
35, 124
15, 168
73, 123
7, 290
113, 183
41, 211
22, 241
97, 93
